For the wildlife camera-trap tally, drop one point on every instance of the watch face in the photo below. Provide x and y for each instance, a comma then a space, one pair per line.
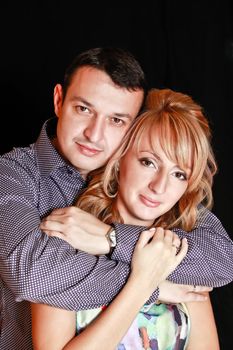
112, 236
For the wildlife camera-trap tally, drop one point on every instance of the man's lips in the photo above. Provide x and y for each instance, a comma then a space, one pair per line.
88, 150
149, 202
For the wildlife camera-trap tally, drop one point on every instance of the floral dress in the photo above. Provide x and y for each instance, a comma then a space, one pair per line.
156, 327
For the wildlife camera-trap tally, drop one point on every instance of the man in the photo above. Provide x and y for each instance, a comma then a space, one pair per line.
102, 93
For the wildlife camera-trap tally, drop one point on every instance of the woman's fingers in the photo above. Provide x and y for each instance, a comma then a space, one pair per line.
183, 249
145, 237
168, 238
156, 256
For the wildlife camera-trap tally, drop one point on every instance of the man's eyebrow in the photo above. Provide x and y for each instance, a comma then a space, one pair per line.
124, 115
81, 99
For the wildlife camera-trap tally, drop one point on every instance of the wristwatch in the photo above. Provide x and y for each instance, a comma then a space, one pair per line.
111, 238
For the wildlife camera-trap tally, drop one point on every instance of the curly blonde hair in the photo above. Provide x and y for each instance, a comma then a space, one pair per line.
185, 137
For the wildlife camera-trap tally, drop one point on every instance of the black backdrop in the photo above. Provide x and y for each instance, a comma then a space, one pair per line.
184, 45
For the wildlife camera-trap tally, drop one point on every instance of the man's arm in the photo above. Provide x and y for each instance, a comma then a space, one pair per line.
46, 269
43, 269
208, 262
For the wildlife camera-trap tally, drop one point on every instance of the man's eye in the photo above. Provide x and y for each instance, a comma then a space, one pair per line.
82, 109
117, 121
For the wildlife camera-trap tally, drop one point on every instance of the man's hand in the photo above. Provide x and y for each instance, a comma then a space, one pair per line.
177, 293
78, 228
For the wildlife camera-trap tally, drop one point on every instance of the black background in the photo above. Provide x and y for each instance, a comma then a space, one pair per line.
183, 45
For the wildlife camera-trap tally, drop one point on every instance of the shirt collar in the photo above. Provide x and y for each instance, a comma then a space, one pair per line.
49, 159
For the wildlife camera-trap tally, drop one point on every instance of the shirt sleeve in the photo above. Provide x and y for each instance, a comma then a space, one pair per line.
45, 269
209, 261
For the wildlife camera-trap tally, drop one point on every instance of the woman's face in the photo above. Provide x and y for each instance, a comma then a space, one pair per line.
149, 184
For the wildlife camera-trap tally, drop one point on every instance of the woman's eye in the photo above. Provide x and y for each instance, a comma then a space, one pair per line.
181, 176
147, 163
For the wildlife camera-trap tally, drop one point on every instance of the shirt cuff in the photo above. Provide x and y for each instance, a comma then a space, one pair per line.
126, 239
154, 297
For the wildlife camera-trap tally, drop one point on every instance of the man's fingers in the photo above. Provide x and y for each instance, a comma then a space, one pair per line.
193, 296
59, 211
53, 217
196, 289
200, 289
54, 234
48, 225
72, 210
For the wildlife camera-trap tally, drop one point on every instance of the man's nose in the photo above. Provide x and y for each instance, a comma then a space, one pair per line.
94, 130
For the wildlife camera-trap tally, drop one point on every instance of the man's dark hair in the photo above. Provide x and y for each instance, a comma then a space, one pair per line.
119, 64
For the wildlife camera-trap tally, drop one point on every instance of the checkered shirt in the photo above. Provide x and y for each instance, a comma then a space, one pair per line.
37, 268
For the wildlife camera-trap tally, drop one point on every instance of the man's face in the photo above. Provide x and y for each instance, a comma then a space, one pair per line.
93, 118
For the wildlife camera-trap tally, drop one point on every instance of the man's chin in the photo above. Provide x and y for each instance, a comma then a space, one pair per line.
86, 167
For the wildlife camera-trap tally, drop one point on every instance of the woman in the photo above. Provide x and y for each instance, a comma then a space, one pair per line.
161, 176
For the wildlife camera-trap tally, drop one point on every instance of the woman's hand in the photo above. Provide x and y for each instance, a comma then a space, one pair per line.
157, 253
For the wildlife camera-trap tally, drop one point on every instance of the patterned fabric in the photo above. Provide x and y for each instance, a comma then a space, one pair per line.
34, 267
156, 327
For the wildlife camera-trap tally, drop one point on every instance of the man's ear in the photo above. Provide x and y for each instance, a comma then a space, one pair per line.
57, 99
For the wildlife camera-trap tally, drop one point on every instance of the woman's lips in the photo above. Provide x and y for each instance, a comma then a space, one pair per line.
149, 202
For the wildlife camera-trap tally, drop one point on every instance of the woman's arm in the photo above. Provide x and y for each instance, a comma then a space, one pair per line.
52, 328
152, 262
203, 332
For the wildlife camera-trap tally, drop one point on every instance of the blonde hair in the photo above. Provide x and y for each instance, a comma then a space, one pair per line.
184, 134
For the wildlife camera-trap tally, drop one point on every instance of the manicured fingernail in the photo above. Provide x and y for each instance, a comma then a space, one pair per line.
152, 229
